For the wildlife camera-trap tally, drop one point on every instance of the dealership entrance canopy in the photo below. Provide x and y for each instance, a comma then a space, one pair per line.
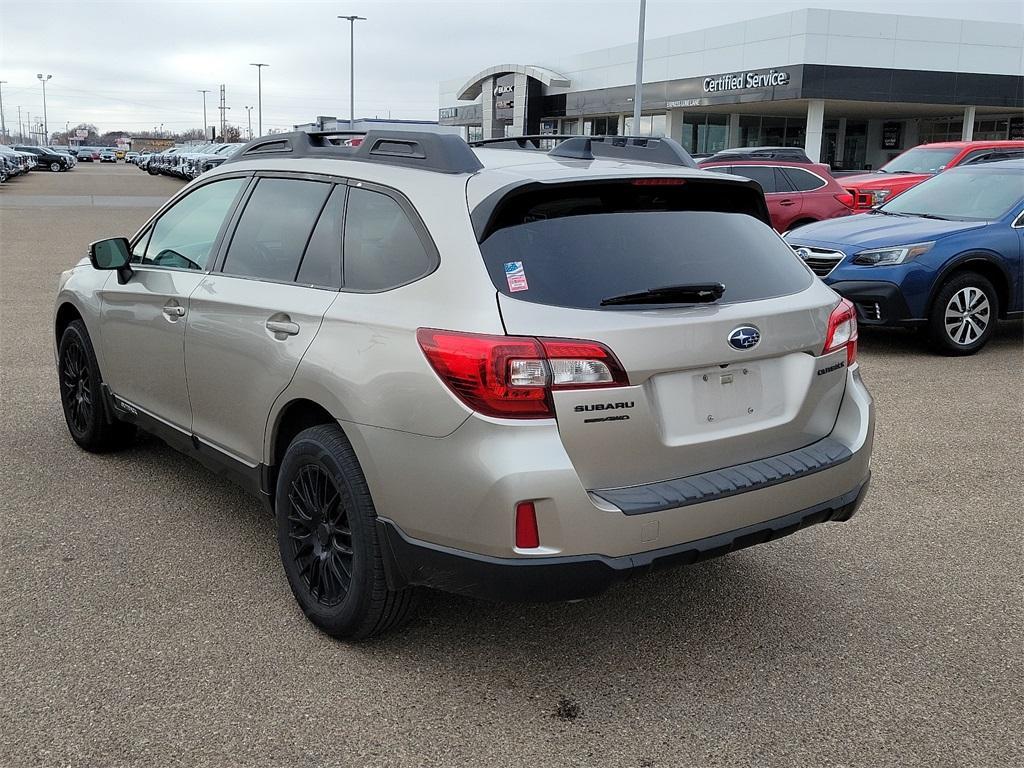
854, 89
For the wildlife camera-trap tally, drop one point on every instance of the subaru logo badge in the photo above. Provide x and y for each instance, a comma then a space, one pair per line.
745, 337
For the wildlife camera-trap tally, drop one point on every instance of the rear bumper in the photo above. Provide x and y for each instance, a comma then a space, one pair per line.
410, 562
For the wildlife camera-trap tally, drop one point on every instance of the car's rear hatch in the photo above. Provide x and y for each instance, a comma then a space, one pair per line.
695, 401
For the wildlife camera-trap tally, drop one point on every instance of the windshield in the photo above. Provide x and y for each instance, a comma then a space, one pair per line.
964, 194
920, 160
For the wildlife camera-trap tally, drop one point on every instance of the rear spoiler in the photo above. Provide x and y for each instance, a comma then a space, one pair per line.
703, 193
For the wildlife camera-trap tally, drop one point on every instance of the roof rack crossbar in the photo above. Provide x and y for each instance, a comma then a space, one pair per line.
440, 152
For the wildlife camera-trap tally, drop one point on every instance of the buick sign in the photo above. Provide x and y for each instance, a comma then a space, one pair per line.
745, 337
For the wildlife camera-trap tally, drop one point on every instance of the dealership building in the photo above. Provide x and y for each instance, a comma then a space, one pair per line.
854, 89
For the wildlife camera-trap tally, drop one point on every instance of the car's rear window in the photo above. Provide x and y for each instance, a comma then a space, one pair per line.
577, 250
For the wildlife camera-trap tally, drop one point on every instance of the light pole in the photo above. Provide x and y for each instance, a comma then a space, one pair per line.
248, 111
352, 68
259, 96
3, 125
206, 131
639, 88
46, 125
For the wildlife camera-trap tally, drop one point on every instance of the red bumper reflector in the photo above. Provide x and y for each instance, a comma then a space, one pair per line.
527, 536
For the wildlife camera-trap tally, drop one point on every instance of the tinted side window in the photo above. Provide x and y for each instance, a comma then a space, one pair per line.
762, 174
802, 180
321, 264
184, 235
782, 183
382, 248
274, 228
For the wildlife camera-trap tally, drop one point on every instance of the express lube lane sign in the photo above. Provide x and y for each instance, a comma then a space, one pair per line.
741, 81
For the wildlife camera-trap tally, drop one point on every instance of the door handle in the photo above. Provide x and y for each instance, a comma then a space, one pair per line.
283, 326
173, 311
786, 202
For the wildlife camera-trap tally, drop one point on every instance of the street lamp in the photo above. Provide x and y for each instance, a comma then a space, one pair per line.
46, 125
259, 96
639, 87
248, 111
3, 125
206, 131
352, 68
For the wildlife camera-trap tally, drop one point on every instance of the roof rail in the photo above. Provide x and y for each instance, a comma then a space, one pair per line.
649, 149
440, 152
521, 142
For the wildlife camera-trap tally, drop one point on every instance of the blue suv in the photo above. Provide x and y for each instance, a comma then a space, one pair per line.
945, 256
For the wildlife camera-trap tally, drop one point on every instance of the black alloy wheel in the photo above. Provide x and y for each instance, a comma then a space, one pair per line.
76, 389
320, 535
327, 534
81, 394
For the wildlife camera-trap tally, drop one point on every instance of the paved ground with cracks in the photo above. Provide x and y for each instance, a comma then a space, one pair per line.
145, 619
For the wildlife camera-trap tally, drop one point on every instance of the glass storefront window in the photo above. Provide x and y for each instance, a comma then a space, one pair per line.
992, 129
942, 129
476, 132
650, 125
704, 133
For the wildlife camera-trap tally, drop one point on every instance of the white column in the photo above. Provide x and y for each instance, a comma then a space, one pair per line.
674, 124
969, 113
487, 108
841, 142
622, 125
734, 131
815, 122
519, 105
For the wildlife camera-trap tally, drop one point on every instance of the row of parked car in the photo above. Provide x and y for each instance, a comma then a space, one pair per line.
799, 191
20, 159
186, 162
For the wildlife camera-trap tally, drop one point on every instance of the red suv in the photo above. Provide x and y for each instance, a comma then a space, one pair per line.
797, 193
922, 162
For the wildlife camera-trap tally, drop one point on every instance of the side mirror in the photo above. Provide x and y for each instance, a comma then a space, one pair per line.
112, 253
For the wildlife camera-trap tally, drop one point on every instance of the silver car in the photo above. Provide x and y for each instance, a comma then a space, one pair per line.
494, 370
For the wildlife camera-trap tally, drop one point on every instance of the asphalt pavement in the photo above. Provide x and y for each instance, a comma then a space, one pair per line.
145, 619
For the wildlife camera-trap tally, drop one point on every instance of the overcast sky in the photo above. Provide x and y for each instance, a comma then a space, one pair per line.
134, 66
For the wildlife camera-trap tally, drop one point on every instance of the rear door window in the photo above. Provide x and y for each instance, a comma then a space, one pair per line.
274, 228
762, 174
576, 250
321, 264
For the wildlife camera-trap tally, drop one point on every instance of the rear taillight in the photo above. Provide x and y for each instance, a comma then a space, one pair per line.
842, 331
862, 201
512, 377
846, 199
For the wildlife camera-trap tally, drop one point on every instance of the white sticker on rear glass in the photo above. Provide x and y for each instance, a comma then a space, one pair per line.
516, 276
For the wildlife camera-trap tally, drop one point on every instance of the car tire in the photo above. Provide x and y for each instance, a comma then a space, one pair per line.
963, 315
327, 526
56, 167
81, 395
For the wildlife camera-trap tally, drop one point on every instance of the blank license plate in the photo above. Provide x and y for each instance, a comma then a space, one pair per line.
728, 393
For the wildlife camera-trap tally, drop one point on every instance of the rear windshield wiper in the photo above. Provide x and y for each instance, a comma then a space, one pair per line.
696, 293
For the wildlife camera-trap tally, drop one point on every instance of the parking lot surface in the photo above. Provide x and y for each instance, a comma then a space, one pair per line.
146, 619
